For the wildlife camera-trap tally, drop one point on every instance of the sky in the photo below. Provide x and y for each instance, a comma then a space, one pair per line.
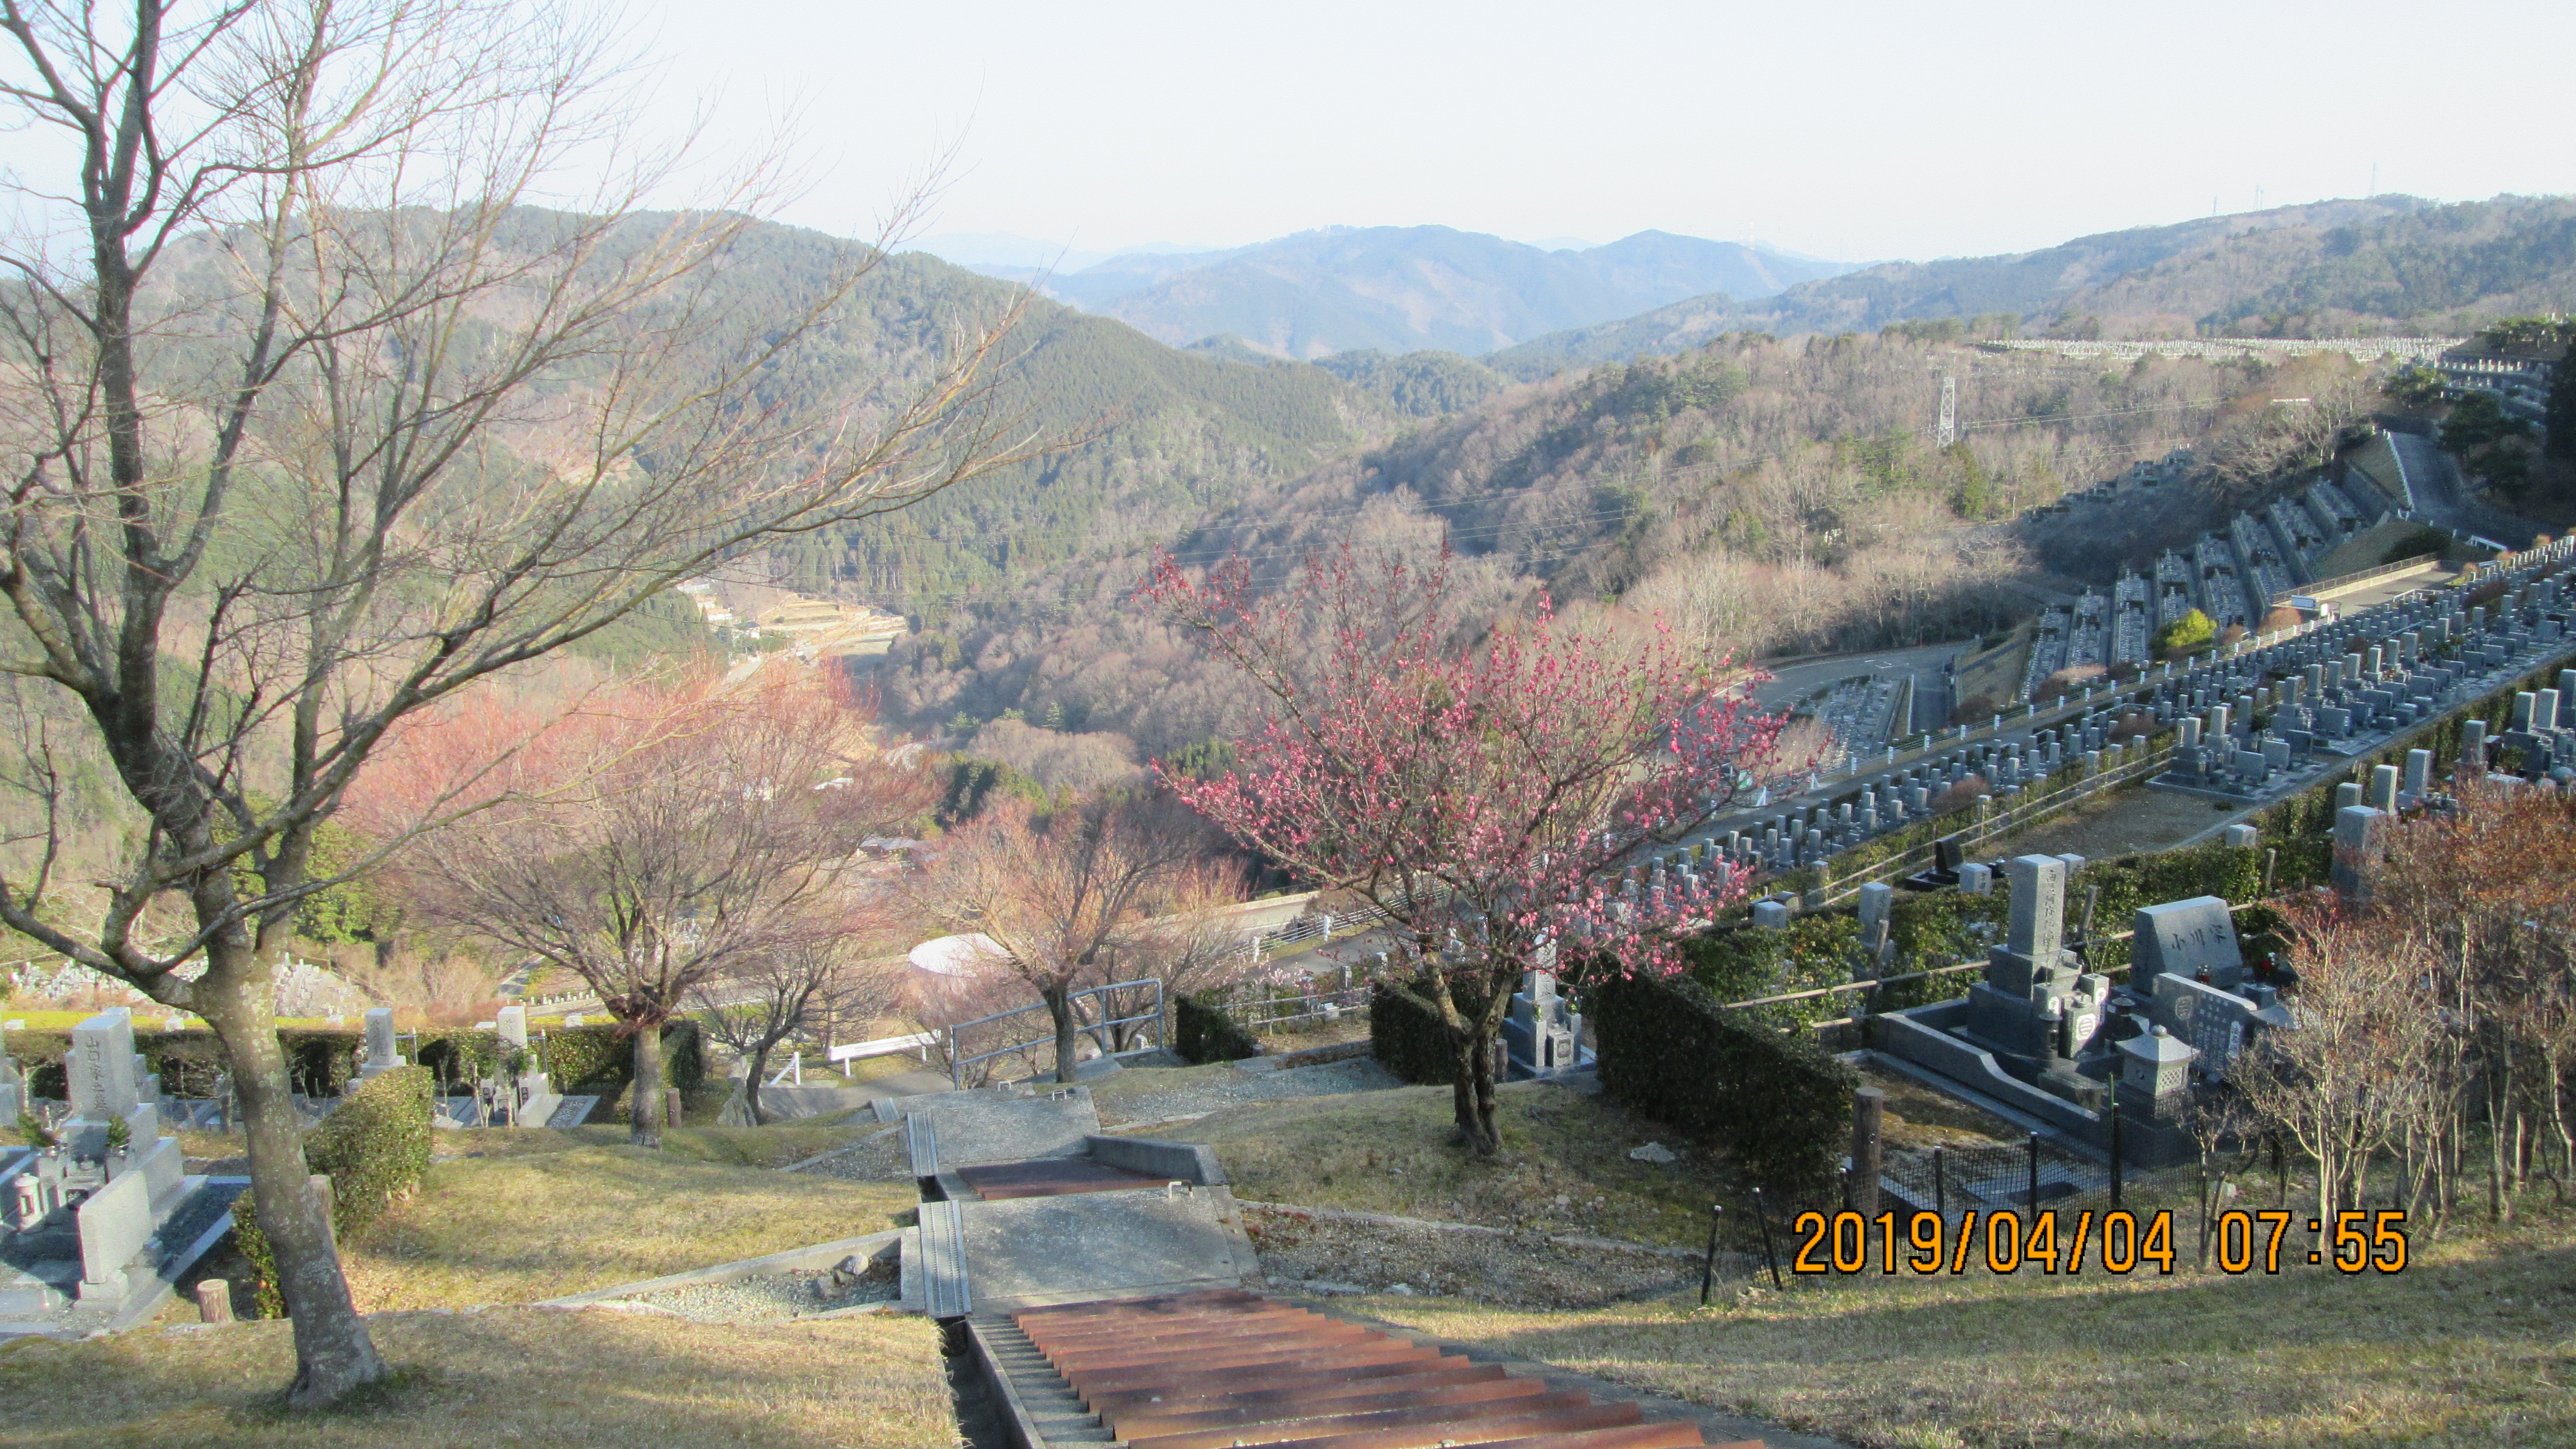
1848, 131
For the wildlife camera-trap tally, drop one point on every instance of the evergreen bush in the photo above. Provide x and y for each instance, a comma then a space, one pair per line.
1777, 1103
1202, 1032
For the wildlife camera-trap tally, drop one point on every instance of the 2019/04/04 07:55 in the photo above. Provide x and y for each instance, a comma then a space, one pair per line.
2242, 1242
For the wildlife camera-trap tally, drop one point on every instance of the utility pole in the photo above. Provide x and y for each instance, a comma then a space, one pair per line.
1949, 411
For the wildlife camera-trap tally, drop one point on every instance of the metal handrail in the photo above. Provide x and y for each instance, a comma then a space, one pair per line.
957, 1065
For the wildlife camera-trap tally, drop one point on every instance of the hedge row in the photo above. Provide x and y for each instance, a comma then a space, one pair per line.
1411, 1042
321, 1062
1202, 1032
374, 1146
1775, 1101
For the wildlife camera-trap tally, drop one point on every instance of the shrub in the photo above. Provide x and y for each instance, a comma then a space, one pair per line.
2185, 634
1202, 1032
1775, 1101
601, 1059
374, 1147
1412, 1043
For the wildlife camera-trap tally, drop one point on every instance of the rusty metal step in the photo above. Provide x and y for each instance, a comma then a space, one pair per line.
1219, 1370
1162, 1419
1565, 1410
1050, 1177
1322, 1392
1291, 1382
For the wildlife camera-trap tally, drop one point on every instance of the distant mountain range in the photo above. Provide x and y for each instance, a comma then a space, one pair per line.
2325, 269
1405, 289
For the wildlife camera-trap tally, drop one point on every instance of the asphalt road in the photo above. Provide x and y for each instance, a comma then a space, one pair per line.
1927, 665
2439, 497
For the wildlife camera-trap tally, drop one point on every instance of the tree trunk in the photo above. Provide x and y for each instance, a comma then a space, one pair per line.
1472, 1092
1059, 1004
644, 1119
751, 1088
333, 1352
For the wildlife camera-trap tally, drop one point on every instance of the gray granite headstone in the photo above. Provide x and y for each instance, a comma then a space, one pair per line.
105, 1078
512, 1024
2038, 906
2184, 938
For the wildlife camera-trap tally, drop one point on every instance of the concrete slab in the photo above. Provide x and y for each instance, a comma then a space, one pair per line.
1041, 1250
974, 1128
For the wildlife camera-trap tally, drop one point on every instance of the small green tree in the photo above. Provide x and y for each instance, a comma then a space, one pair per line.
2415, 387
2478, 422
2185, 634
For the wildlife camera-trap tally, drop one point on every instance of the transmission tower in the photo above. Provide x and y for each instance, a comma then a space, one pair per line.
1949, 411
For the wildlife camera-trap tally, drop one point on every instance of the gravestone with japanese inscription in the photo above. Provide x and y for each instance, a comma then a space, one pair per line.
2194, 939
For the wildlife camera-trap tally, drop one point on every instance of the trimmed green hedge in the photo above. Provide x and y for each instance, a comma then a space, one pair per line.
1775, 1101
1412, 1043
321, 1062
1202, 1032
374, 1147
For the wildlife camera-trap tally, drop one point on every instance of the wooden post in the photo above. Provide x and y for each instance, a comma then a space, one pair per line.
321, 1185
1868, 1107
679, 1113
214, 1301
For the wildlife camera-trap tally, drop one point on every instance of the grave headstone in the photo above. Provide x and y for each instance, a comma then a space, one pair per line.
513, 1027
2383, 788
2185, 938
1976, 880
381, 1053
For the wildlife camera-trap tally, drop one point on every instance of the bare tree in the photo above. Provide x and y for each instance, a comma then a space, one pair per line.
784, 994
1060, 894
2367, 1031
312, 422
664, 842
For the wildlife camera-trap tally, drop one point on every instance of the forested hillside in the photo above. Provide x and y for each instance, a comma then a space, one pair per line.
2388, 264
1766, 495
1164, 434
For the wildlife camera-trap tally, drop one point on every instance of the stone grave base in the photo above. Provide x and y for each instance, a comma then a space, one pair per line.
201, 1220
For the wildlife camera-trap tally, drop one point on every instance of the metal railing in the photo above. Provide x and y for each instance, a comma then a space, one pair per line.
2358, 576
1099, 998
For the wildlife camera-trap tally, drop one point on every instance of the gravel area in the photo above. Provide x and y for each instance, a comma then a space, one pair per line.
772, 1297
883, 1160
1329, 1256
1202, 1095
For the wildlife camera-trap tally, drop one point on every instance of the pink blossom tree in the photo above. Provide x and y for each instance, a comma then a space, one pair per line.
1489, 799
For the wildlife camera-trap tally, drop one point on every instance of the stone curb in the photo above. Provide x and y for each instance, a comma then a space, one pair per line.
820, 1255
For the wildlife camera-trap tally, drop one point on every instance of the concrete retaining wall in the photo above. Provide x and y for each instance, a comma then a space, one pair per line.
1190, 1162
1900, 1035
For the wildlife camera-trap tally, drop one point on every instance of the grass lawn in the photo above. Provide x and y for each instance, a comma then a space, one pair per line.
543, 1214
2473, 1345
508, 1376
1564, 1165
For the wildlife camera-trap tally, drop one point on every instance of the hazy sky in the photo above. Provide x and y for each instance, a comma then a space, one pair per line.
1852, 131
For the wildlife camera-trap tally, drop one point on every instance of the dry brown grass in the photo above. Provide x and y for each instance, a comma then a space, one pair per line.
2474, 1345
592, 1380
1564, 1165
544, 1214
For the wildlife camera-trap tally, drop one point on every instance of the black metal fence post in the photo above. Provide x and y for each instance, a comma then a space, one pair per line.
2034, 1176
2115, 1149
1768, 1256
1708, 1270
1940, 1186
